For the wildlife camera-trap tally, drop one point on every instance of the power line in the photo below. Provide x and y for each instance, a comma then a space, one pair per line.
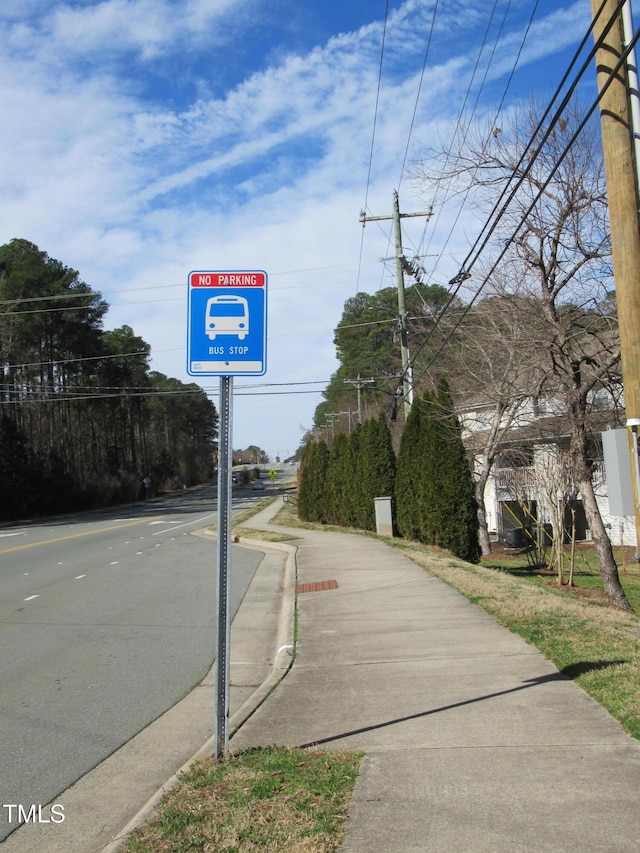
532, 205
497, 113
491, 223
181, 298
64, 361
415, 106
463, 274
498, 212
373, 135
77, 394
468, 91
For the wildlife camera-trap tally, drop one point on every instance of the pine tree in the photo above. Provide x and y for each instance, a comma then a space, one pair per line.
336, 510
458, 508
447, 507
364, 515
408, 474
305, 488
434, 487
375, 470
312, 494
383, 461
433, 452
351, 478
18, 475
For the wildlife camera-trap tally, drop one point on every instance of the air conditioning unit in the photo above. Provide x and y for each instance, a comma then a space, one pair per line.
516, 538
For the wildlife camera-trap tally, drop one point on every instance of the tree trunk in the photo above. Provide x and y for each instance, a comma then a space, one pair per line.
604, 550
483, 532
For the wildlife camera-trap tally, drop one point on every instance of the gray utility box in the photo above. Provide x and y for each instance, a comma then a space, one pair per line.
384, 521
617, 464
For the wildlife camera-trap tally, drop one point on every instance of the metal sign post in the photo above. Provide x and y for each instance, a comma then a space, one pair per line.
221, 734
226, 337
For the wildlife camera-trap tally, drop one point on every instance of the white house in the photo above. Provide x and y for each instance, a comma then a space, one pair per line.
529, 481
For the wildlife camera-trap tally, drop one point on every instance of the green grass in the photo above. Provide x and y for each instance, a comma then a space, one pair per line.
267, 800
239, 532
586, 574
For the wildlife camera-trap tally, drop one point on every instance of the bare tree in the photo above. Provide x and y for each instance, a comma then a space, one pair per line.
553, 482
495, 369
554, 252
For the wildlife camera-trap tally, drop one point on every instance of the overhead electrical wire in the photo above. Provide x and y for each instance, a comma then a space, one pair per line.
388, 233
98, 295
462, 275
64, 361
420, 250
181, 298
490, 222
466, 97
373, 137
111, 393
536, 198
498, 212
417, 100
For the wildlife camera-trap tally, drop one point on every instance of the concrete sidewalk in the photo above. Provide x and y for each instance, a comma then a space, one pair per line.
473, 741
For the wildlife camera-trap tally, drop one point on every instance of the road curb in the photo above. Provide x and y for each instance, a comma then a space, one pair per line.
283, 660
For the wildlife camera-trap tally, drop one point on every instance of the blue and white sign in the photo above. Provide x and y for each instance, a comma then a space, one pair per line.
227, 323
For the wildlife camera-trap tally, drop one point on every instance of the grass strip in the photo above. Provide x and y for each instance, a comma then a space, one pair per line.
239, 532
268, 800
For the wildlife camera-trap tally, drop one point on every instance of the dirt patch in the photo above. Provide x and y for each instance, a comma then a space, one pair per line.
593, 596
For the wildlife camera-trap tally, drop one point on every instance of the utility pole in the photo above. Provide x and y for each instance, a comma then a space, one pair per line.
359, 383
330, 422
335, 417
401, 265
622, 192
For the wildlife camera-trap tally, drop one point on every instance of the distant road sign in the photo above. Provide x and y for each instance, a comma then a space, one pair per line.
227, 323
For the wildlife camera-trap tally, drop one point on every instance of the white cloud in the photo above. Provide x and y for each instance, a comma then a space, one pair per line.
121, 177
64, 31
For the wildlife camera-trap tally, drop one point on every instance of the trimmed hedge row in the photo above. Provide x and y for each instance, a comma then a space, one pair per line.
430, 483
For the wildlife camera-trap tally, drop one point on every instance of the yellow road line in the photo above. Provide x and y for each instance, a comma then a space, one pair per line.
77, 535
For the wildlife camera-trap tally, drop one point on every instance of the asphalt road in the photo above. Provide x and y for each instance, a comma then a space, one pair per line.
106, 621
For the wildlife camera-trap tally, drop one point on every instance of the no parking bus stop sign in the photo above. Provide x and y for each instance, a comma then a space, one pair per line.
227, 323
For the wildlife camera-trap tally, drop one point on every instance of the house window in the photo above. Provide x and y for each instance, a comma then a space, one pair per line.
540, 407
483, 419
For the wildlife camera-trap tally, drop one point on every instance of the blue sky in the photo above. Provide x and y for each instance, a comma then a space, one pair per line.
142, 139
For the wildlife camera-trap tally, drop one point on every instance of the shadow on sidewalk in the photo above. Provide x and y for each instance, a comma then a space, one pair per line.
567, 674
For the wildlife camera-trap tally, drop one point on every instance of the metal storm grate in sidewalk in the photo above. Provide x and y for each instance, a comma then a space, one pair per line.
316, 586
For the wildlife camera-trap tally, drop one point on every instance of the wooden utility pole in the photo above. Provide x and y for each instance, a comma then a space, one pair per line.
359, 383
401, 264
622, 192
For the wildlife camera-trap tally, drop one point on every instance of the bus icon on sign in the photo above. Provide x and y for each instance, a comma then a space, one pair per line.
226, 315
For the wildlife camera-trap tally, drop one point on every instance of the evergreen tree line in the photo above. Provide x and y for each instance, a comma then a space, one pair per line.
83, 419
430, 482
